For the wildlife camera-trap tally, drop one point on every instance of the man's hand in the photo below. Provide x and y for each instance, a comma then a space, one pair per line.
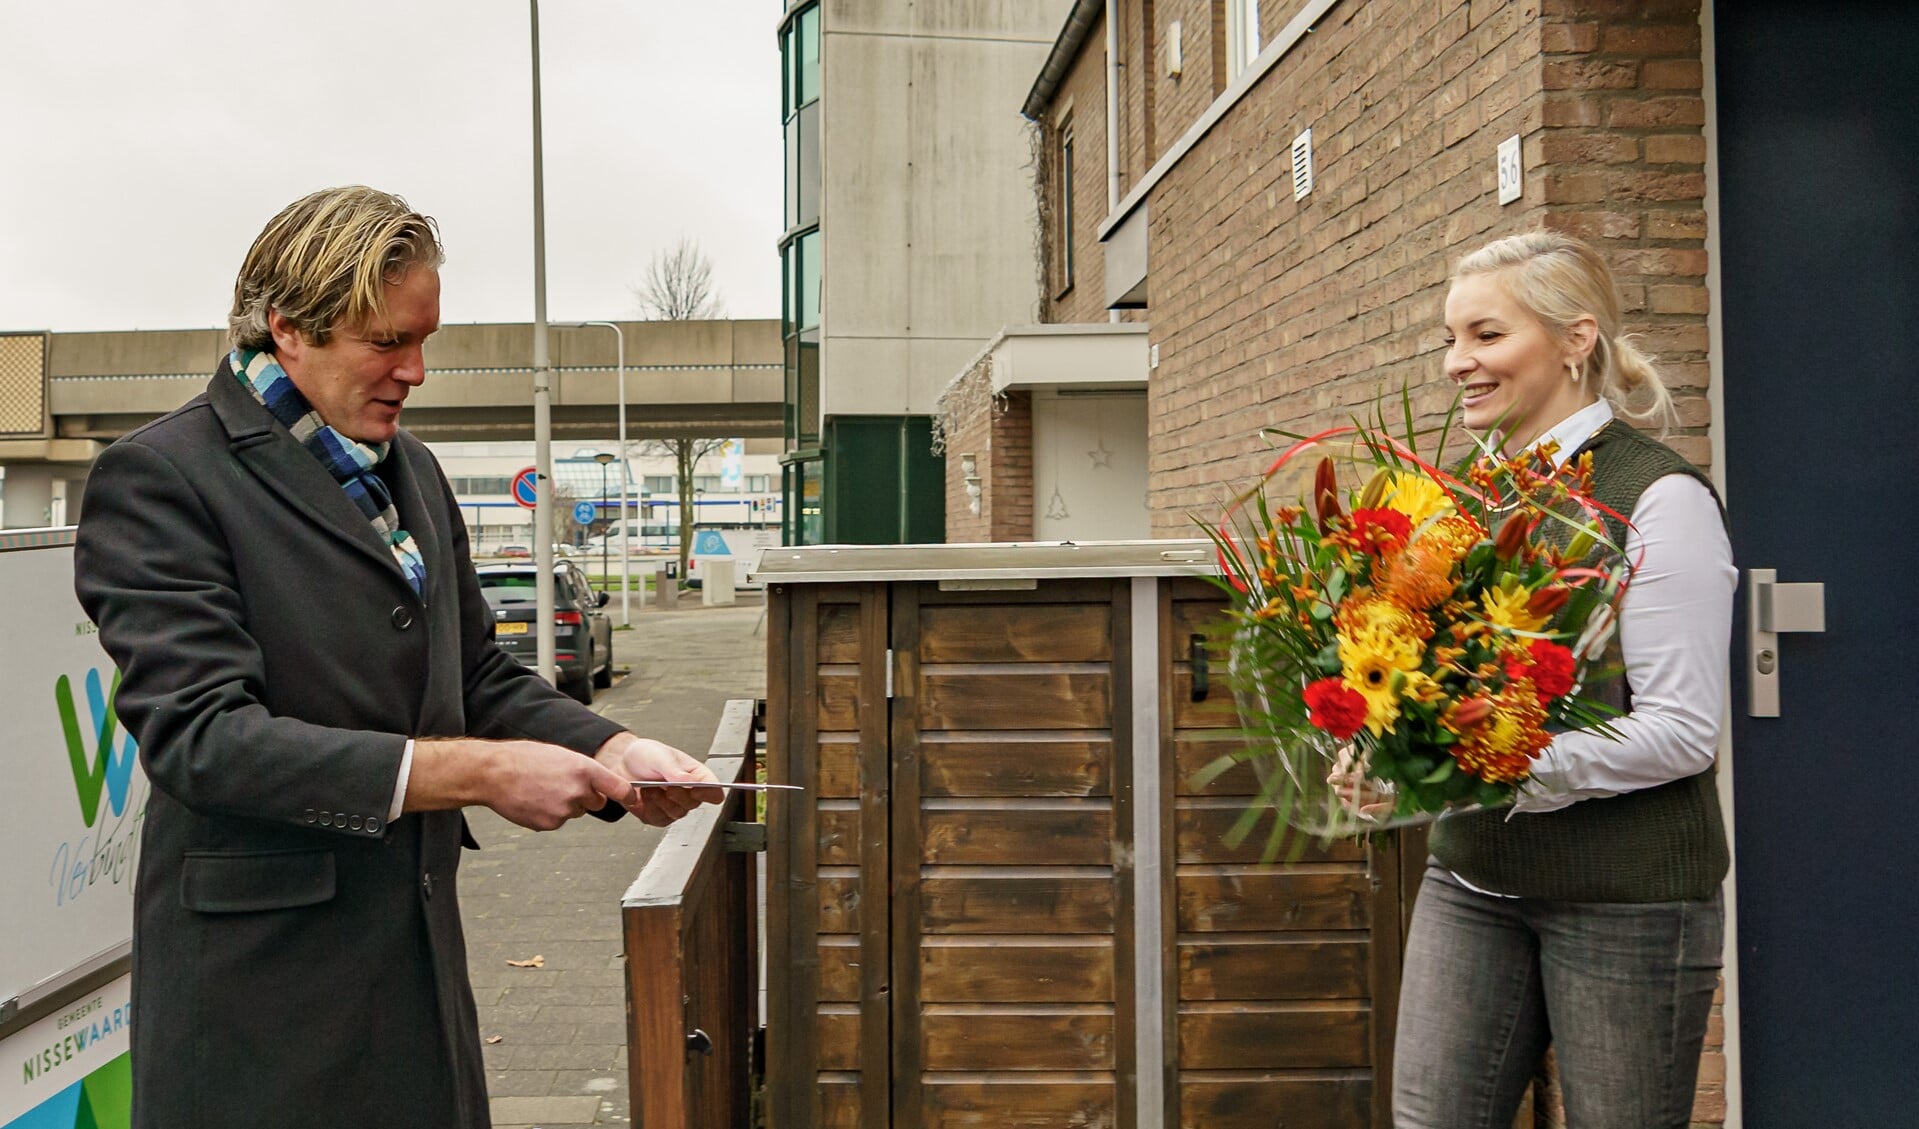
640, 758
536, 785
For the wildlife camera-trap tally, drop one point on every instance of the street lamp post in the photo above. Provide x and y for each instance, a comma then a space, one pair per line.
542, 397
603, 458
626, 475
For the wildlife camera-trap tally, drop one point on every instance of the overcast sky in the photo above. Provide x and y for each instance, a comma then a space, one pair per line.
145, 144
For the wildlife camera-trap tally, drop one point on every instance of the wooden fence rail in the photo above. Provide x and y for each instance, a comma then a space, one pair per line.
692, 953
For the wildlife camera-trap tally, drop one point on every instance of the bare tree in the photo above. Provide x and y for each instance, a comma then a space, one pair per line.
687, 453
678, 285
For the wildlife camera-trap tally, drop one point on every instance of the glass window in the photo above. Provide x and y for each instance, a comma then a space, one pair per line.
809, 279
660, 483
758, 483
1242, 35
808, 67
710, 483
1064, 241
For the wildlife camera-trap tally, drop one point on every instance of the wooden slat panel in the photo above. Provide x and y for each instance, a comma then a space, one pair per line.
1252, 1037
839, 770
1015, 1102
1043, 837
838, 1031
1202, 617
1016, 700
839, 633
839, 832
1272, 898
1269, 1101
840, 904
839, 704
839, 968
901, 963
1055, 633
1216, 711
1015, 767
1273, 969
1202, 831
1009, 905
876, 878
1037, 1040
1007, 970
1195, 751
839, 1102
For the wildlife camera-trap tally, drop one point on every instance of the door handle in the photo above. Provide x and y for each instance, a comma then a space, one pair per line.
1773, 608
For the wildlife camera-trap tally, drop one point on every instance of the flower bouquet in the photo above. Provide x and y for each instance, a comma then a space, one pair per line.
1412, 633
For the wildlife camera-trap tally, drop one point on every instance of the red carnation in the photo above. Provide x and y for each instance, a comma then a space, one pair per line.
1381, 531
1552, 668
1549, 665
1336, 707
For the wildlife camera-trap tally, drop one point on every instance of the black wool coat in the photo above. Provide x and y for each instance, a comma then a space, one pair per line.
297, 960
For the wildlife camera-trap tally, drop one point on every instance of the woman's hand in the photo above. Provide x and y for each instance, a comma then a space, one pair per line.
1358, 793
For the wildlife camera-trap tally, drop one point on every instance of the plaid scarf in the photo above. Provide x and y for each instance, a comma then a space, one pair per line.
350, 462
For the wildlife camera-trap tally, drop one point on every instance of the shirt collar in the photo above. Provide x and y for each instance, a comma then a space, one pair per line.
1572, 432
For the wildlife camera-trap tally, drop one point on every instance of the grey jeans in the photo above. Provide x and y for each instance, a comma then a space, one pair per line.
1621, 991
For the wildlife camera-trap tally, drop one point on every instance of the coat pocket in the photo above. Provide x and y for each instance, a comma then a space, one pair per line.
230, 881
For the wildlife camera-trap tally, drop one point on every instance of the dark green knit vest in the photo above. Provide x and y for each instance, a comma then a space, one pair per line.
1656, 845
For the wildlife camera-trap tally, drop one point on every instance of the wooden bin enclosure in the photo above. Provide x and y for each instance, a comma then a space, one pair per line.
1002, 900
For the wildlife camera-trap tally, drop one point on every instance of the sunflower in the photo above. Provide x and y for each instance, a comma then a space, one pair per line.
1416, 496
1505, 607
1369, 659
1501, 748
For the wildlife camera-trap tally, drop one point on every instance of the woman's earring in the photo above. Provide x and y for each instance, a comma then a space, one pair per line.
1573, 368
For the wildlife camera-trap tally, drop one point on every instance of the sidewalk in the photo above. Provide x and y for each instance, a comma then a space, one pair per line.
560, 1062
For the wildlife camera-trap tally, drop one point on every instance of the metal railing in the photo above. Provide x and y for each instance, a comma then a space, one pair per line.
690, 922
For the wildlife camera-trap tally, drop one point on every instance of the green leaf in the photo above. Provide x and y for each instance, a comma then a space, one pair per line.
1328, 658
1444, 770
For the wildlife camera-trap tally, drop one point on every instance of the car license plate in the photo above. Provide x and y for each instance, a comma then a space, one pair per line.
516, 628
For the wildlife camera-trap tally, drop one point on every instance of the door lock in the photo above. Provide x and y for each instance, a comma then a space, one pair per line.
1771, 609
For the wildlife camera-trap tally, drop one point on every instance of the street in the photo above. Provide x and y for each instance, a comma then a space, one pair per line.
555, 1035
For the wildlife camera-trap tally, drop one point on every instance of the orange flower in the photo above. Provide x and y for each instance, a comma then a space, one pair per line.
1501, 747
1418, 576
1361, 613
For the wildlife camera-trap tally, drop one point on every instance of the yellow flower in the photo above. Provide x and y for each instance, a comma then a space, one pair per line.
1505, 607
1501, 748
1362, 613
1369, 659
1417, 496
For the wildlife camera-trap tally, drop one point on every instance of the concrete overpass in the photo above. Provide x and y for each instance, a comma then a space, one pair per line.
64, 396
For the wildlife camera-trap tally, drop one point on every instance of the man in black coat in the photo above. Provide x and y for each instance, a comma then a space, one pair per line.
282, 576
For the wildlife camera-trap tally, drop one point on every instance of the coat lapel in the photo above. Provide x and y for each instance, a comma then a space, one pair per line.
290, 470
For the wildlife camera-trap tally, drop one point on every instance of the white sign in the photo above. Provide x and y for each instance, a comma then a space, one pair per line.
76, 1057
74, 794
1511, 176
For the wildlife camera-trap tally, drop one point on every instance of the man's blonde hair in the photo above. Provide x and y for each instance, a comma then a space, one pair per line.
325, 262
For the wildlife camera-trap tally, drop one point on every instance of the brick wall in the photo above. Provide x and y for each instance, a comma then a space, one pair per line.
998, 433
1178, 102
1084, 89
1271, 312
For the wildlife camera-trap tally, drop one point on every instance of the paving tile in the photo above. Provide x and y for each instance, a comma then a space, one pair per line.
546, 1112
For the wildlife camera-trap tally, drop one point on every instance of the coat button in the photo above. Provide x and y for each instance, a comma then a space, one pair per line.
426, 883
326, 819
354, 823
402, 617
372, 826
312, 816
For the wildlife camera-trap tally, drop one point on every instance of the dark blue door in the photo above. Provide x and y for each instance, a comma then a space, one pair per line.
1818, 113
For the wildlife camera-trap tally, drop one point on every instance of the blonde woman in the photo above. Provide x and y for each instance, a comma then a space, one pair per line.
1589, 918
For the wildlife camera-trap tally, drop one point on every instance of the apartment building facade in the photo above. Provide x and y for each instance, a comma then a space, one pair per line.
910, 220
1249, 212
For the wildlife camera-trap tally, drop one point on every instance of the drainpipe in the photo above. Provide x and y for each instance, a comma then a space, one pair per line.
1113, 184
1112, 106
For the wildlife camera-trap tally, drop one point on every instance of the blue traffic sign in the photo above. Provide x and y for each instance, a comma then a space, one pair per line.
525, 490
584, 512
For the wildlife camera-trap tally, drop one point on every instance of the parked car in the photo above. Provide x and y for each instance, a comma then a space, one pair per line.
515, 551
582, 633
